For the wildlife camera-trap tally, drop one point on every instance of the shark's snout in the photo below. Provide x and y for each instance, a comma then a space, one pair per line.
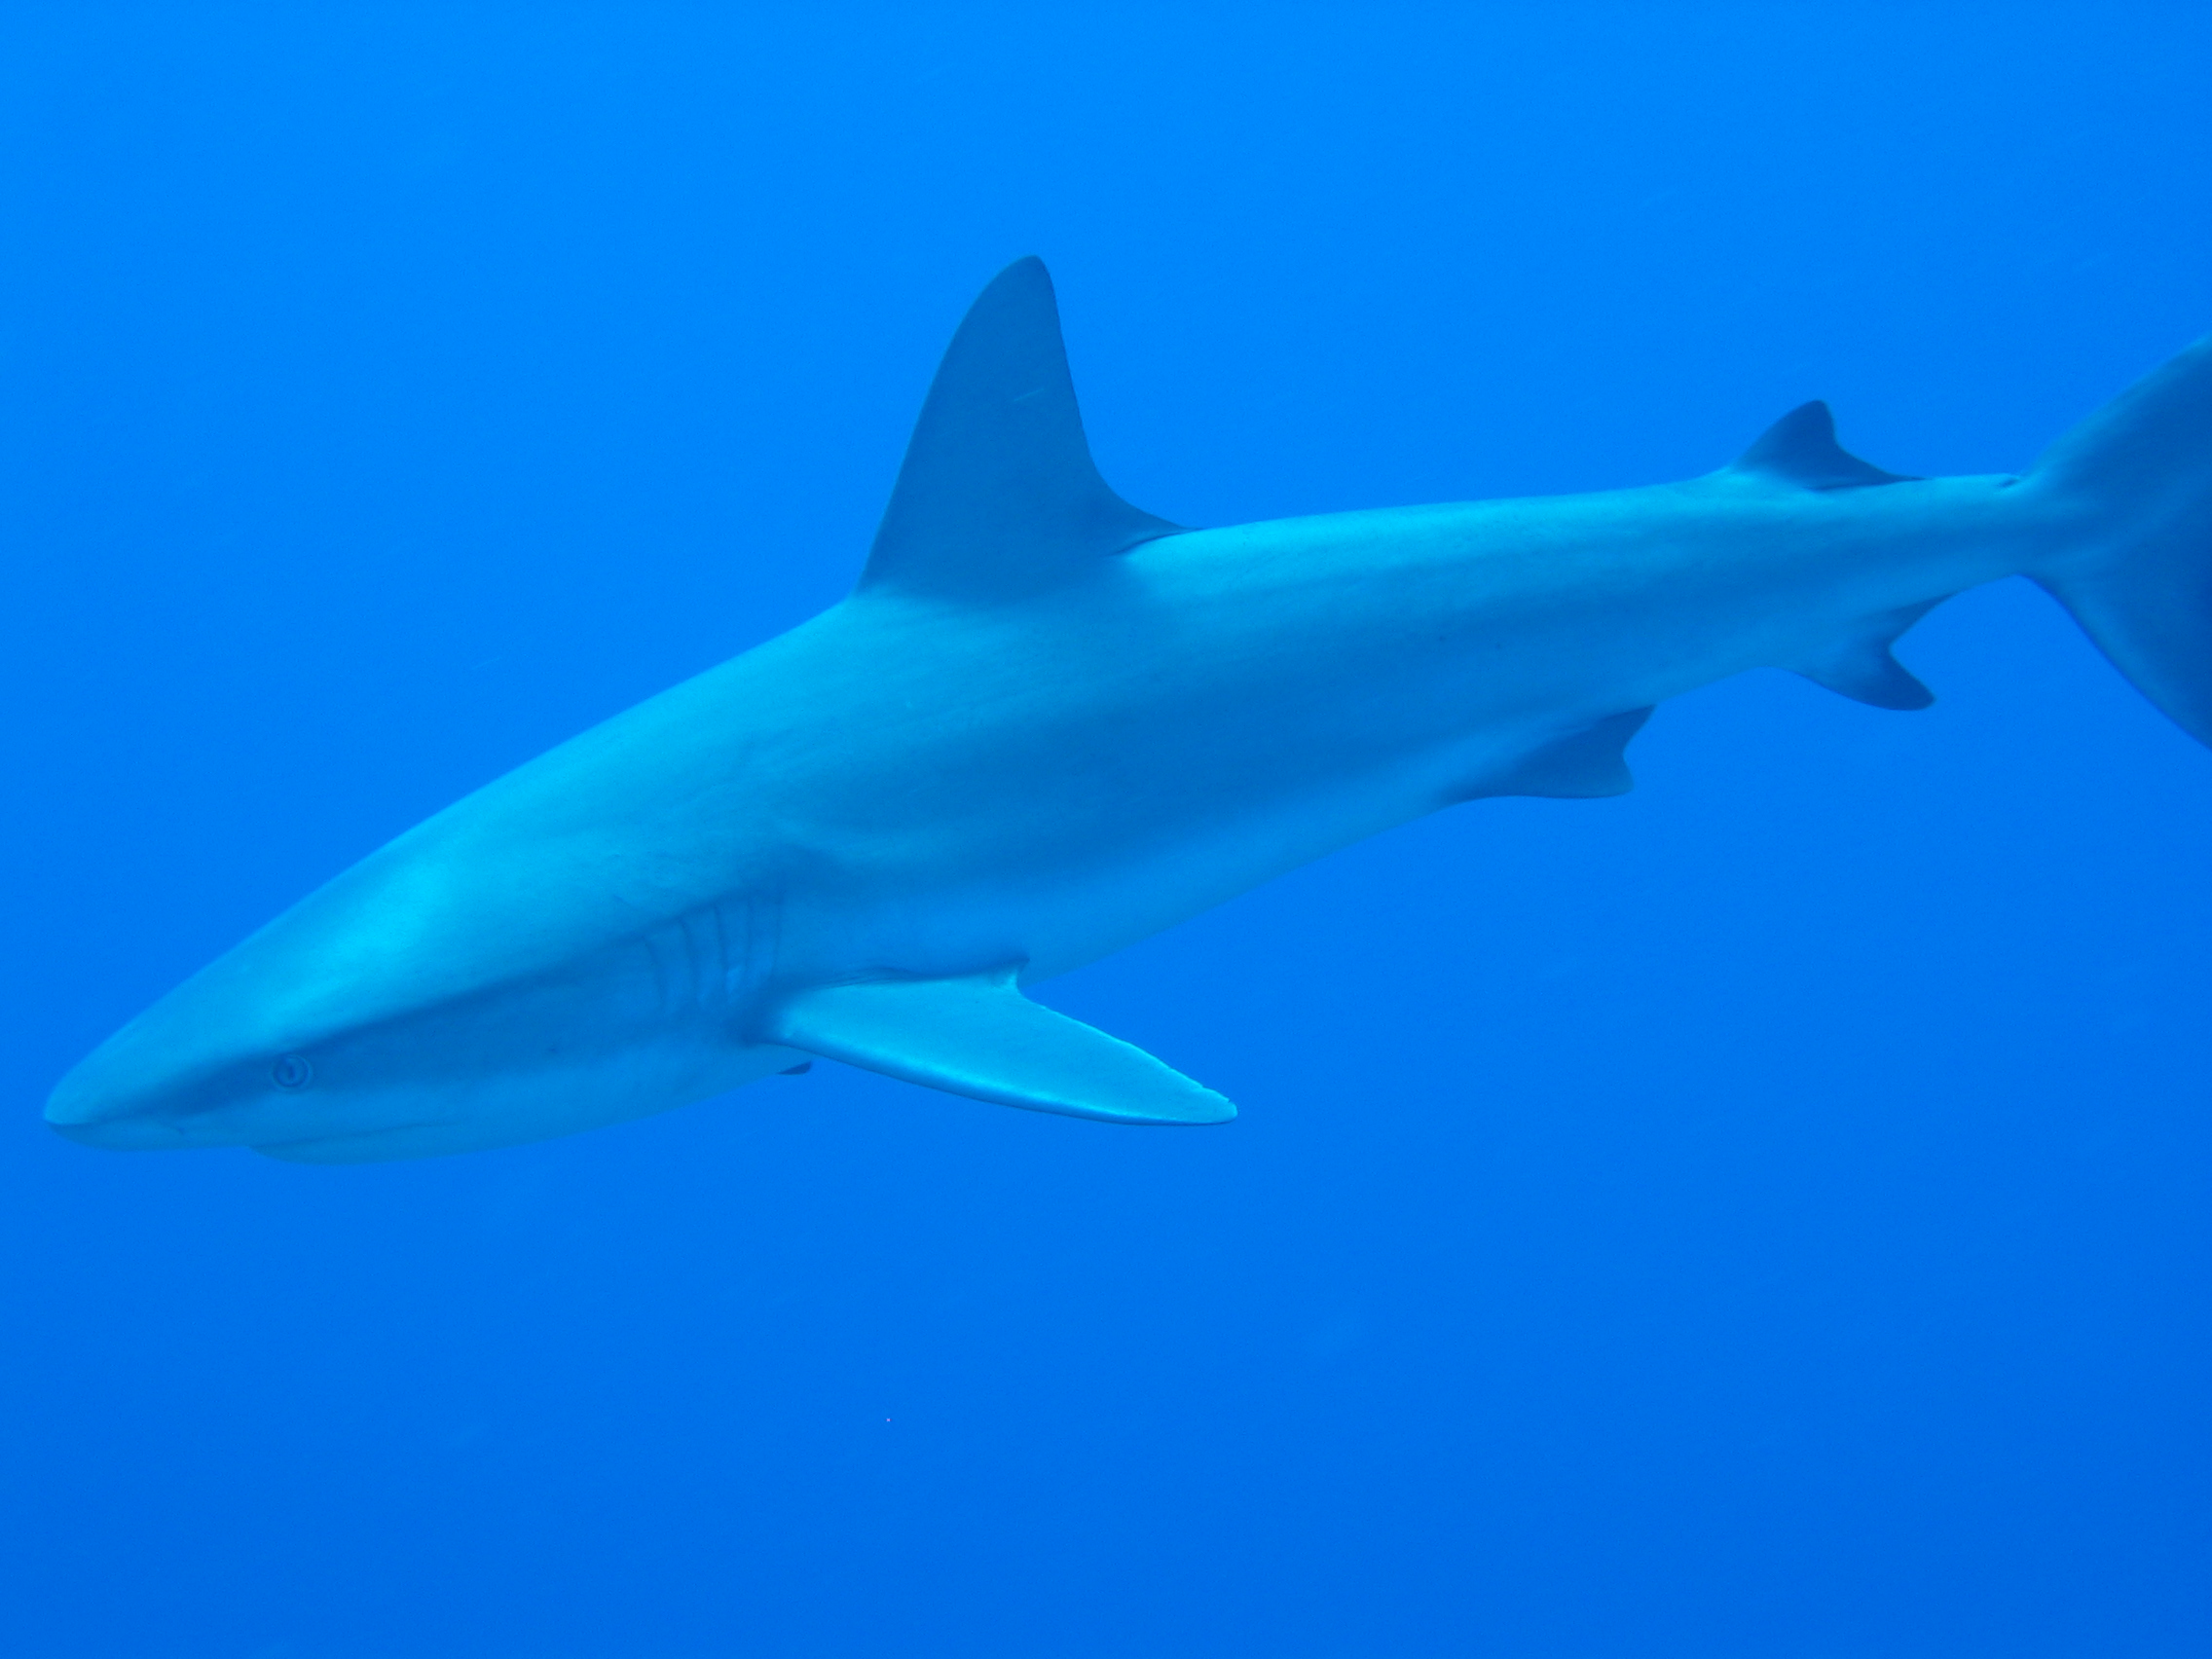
97, 1107
166, 1080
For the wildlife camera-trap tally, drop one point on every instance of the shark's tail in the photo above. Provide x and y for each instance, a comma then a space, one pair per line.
2136, 477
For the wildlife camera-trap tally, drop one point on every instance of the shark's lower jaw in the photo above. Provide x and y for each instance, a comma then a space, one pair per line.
534, 1106
244, 1124
129, 1134
427, 1117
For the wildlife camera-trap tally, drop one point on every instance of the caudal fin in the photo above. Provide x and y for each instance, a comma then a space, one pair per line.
2137, 475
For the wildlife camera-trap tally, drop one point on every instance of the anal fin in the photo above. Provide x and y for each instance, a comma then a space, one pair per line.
980, 1037
1864, 670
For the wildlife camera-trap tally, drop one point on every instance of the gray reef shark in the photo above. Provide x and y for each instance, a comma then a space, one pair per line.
1046, 724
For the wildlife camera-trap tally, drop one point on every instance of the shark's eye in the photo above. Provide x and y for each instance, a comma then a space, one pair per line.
292, 1071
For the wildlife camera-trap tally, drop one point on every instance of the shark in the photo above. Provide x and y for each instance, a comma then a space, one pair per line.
1045, 724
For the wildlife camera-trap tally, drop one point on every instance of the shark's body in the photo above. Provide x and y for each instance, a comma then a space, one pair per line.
1048, 724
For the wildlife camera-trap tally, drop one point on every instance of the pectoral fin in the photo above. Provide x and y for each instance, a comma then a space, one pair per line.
980, 1037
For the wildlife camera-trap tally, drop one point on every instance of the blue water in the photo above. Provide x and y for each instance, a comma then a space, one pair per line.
1763, 1215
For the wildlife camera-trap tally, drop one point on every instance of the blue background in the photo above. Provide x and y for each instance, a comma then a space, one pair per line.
1763, 1215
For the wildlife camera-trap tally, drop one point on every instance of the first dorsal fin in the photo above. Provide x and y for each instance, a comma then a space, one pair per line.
1800, 451
998, 495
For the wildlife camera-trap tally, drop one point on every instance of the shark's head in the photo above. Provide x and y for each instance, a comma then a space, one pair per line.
317, 1025
187, 1073
414, 995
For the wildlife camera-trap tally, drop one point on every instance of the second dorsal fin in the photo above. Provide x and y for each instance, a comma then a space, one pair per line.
998, 497
1800, 451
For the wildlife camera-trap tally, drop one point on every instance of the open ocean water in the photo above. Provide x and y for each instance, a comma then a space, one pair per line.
1763, 1215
